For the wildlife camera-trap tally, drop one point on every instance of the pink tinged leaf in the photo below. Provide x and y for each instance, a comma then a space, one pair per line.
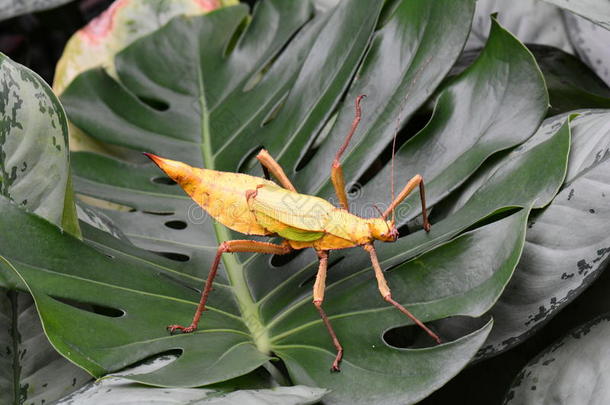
100, 26
208, 5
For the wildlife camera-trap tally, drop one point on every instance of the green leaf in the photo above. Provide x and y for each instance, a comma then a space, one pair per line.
486, 124
573, 370
395, 88
597, 11
572, 85
567, 242
211, 91
297, 335
122, 23
429, 283
34, 165
529, 176
31, 371
115, 389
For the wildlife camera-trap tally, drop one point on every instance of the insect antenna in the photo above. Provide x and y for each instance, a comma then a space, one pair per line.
403, 103
396, 129
381, 215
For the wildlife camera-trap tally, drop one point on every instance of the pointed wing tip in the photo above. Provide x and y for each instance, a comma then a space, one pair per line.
153, 157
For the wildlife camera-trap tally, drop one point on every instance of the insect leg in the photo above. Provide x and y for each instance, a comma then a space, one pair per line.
336, 171
386, 294
270, 165
417, 180
318, 298
228, 247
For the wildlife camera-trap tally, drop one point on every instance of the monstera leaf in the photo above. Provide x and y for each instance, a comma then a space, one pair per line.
122, 23
210, 91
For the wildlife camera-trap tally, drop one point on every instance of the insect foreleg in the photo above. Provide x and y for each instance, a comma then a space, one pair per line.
228, 247
385, 293
269, 164
417, 180
336, 171
318, 298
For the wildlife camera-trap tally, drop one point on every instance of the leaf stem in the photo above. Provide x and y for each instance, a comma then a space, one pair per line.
234, 269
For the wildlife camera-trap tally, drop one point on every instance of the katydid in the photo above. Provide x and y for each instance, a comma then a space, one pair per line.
256, 206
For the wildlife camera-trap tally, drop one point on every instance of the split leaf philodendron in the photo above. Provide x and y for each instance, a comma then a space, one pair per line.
256, 206
212, 91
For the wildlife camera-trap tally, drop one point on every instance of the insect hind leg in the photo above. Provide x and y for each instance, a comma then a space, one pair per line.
230, 246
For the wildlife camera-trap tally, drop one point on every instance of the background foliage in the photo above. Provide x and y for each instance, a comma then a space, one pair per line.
490, 167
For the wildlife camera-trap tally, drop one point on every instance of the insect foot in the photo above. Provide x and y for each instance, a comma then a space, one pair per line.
335, 367
184, 329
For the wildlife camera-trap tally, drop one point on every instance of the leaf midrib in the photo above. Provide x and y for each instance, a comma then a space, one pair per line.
234, 269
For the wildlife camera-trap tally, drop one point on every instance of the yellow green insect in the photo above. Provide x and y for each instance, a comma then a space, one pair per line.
257, 206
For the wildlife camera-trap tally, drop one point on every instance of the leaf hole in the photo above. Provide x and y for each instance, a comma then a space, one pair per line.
163, 180
157, 360
412, 226
177, 224
177, 257
282, 260
104, 204
275, 110
335, 261
160, 213
308, 281
236, 36
92, 308
249, 161
448, 329
155, 104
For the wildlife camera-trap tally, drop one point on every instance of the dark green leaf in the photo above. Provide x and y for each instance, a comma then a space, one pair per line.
135, 282
477, 114
198, 91
529, 176
572, 85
